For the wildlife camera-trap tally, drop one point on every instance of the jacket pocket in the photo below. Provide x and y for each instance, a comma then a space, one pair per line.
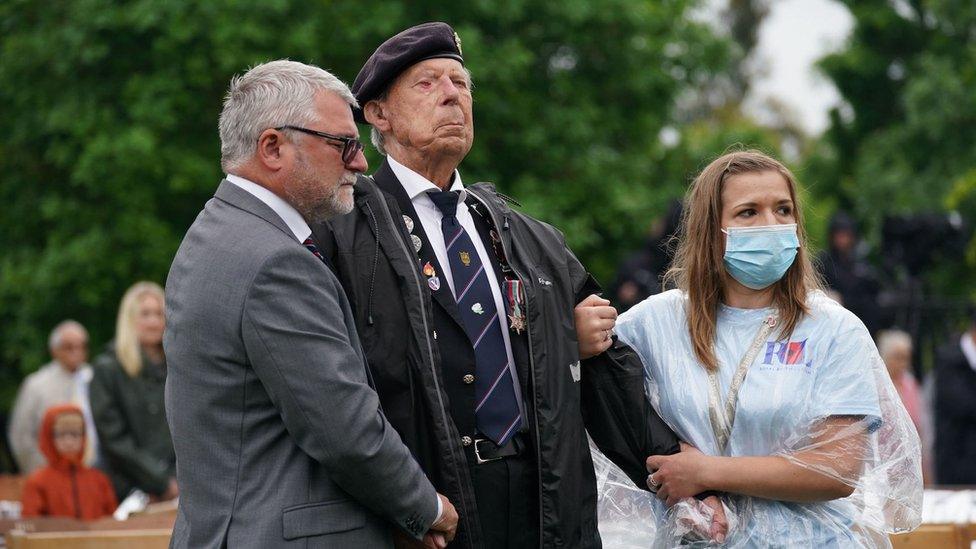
327, 517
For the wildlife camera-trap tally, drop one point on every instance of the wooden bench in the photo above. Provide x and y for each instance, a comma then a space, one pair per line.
934, 536
11, 487
116, 539
146, 530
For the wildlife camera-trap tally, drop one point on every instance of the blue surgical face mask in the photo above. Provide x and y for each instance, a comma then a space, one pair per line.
759, 256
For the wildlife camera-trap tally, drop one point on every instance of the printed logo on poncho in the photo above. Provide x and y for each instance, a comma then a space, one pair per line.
789, 353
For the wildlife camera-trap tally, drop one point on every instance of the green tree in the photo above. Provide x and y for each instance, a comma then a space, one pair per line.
905, 139
110, 145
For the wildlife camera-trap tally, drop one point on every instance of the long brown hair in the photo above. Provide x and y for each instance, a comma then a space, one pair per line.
698, 268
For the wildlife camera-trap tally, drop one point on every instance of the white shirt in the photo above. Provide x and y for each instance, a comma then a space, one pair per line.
285, 211
968, 347
417, 187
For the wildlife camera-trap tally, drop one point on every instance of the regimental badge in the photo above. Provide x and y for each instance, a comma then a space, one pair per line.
465, 258
434, 283
515, 299
477, 309
457, 42
417, 243
429, 270
408, 222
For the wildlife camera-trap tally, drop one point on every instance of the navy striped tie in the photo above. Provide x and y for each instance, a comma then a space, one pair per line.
310, 244
496, 411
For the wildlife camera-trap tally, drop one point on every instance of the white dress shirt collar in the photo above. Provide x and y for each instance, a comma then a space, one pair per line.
285, 211
414, 183
968, 348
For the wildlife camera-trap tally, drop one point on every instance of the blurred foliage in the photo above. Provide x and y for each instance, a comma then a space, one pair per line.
110, 111
904, 143
594, 114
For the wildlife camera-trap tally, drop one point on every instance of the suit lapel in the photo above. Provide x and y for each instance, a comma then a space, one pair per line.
386, 180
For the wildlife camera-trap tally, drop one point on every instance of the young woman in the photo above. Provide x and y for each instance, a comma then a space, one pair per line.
778, 390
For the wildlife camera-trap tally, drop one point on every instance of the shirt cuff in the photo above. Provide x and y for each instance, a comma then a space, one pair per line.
440, 510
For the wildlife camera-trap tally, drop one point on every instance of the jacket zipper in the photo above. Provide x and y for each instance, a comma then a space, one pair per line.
528, 337
430, 348
74, 490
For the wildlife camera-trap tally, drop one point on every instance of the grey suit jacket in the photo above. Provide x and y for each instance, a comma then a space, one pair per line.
279, 439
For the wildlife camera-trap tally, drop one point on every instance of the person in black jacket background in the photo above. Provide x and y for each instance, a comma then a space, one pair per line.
639, 275
847, 272
955, 409
416, 248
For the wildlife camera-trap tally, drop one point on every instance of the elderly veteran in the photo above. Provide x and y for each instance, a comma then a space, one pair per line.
474, 318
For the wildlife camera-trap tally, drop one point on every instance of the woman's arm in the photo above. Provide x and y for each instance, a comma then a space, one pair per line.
837, 452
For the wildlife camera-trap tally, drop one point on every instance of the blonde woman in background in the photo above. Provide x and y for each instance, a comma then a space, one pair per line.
127, 398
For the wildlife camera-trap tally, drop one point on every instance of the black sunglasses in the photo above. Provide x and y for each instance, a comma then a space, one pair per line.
350, 145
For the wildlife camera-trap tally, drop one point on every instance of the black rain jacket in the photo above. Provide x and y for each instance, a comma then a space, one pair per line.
371, 252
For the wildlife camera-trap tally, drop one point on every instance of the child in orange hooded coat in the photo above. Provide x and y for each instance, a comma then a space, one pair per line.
66, 487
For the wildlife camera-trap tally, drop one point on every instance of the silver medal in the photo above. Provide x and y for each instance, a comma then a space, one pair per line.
417, 243
408, 222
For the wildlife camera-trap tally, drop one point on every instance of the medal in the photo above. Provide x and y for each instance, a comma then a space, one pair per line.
408, 222
417, 243
465, 258
516, 303
496, 246
434, 283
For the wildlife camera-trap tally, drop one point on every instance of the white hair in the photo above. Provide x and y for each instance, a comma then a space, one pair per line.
377, 138
889, 340
54, 340
270, 95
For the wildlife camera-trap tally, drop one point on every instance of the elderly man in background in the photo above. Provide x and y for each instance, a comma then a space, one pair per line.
475, 317
280, 440
65, 379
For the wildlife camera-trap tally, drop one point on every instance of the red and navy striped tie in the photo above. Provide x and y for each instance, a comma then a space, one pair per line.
310, 244
496, 409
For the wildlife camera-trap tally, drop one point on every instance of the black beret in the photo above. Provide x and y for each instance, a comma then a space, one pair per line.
416, 44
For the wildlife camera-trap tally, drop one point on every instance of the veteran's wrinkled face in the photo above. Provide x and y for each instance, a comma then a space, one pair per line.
428, 110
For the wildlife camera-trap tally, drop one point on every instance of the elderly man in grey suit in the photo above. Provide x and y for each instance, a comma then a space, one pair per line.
280, 439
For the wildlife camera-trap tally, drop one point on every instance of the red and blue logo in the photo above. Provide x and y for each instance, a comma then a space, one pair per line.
786, 353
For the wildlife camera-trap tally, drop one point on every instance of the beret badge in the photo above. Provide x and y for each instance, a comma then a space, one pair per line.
457, 42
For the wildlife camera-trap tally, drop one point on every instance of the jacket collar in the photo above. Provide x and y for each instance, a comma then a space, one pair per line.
387, 181
239, 198
296, 223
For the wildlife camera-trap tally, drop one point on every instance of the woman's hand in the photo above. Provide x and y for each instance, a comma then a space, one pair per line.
678, 476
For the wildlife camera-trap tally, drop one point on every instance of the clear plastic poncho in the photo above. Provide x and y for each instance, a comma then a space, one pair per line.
821, 399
